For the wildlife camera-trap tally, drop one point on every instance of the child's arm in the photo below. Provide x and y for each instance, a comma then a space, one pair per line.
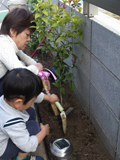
44, 132
51, 98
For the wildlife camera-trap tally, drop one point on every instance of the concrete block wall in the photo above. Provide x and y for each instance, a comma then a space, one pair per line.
97, 85
97, 82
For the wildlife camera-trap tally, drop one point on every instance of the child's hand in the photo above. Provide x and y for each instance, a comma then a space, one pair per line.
45, 128
53, 98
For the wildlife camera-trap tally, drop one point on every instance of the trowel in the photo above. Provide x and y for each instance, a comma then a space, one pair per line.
57, 106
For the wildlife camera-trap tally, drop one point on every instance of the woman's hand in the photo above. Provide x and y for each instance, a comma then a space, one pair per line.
39, 66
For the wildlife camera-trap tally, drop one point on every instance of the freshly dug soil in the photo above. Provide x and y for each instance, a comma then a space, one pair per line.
80, 131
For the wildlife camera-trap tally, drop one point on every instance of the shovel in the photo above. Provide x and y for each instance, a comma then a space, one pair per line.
55, 110
42, 75
58, 105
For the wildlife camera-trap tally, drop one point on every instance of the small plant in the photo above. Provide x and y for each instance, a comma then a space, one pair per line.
33, 41
62, 31
34, 36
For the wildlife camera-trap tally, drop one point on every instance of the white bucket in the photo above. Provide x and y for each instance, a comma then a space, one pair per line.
17, 3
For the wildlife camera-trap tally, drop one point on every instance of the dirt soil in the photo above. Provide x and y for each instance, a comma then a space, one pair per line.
80, 131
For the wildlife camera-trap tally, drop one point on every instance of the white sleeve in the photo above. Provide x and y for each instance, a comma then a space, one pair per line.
9, 58
25, 58
20, 136
39, 98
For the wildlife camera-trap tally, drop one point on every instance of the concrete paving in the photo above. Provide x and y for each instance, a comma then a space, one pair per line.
41, 148
41, 151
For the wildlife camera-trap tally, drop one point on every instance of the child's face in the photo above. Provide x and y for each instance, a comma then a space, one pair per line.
28, 104
18, 104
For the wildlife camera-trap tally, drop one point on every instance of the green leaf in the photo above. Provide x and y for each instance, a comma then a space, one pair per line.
80, 31
56, 84
50, 2
58, 71
55, 7
72, 85
55, 25
67, 77
37, 15
79, 9
33, 27
74, 35
54, 44
66, 56
62, 90
49, 36
63, 34
60, 39
45, 20
40, 47
45, 12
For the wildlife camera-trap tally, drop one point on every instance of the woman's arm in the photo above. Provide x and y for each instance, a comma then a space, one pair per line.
25, 58
10, 60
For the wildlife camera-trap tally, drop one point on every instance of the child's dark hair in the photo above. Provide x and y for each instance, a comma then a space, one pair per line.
21, 83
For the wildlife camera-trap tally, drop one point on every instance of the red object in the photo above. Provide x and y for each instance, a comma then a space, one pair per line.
40, 44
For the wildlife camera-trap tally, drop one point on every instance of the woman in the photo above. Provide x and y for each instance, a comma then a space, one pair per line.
14, 37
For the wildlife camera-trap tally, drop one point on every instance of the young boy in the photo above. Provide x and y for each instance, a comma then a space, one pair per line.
19, 132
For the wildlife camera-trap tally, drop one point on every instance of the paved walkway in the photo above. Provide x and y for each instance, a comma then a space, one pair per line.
39, 152
41, 149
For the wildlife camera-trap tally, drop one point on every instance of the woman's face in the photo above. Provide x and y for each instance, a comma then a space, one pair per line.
21, 39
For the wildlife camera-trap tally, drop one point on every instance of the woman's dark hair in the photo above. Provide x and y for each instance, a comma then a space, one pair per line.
21, 83
18, 19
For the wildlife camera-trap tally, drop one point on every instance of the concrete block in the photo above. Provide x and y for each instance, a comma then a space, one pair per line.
55, 2
40, 151
86, 29
118, 145
104, 116
117, 157
82, 84
106, 47
106, 85
104, 138
82, 101
69, 60
83, 59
